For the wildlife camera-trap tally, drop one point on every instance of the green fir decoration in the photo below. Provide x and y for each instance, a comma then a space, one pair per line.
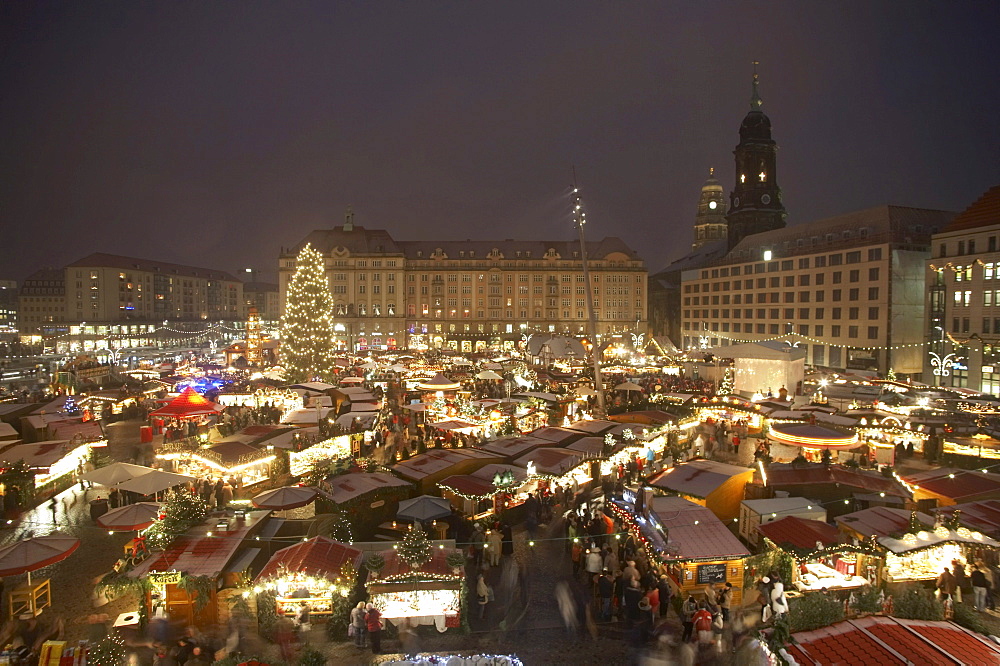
267, 614
312, 657
891, 375
307, 325
182, 510
416, 549
915, 603
199, 588
954, 521
813, 611
375, 563
109, 651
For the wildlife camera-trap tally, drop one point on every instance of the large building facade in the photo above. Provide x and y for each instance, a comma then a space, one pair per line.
848, 289
470, 295
108, 301
963, 300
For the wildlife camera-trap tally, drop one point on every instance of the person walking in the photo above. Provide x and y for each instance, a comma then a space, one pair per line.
358, 624
482, 595
725, 599
946, 585
666, 592
688, 610
979, 588
494, 546
606, 588
373, 622
633, 595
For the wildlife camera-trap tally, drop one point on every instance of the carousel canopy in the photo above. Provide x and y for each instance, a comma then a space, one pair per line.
187, 404
317, 557
439, 383
812, 436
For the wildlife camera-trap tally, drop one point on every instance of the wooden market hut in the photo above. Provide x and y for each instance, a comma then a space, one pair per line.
821, 561
367, 498
715, 485
514, 446
222, 555
474, 493
695, 546
429, 594
320, 565
945, 486
426, 469
914, 547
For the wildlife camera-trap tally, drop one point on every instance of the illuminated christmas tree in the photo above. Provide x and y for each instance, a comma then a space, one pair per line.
70, 408
307, 325
416, 549
109, 651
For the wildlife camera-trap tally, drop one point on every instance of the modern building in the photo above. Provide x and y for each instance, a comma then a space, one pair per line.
105, 301
42, 300
963, 300
470, 295
8, 311
264, 296
848, 289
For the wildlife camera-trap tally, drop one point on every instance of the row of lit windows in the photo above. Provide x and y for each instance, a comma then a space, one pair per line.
803, 263
804, 280
819, 296
775, 313
819, 330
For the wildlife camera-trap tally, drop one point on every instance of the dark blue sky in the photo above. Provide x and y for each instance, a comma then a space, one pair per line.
214, 133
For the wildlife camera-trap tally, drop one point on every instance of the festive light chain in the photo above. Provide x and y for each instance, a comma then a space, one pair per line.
718, 334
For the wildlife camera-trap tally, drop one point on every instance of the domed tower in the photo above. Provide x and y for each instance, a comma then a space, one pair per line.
756, 200
710, 222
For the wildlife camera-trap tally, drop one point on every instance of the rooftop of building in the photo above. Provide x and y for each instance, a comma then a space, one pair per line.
363, 241
983, 212
956, 484
881, 224
104, 260
697, 478
801, 533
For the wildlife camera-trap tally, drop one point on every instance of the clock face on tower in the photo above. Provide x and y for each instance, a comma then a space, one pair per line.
712, 205
736, 202
766, 199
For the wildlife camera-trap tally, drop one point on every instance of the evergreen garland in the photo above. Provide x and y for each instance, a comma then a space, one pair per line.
307, 325
267, 614
109, 651
416, 549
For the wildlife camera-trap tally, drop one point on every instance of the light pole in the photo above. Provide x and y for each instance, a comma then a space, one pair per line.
581, 219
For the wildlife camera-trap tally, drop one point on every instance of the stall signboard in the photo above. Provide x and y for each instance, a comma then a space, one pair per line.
164, 577
377, 504
711, 573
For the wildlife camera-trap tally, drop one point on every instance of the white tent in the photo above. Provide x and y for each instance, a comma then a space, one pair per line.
760, 366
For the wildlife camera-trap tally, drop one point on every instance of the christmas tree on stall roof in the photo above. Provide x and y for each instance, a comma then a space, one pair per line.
70, 408
109, 651
181, 510
307, 325
416, 549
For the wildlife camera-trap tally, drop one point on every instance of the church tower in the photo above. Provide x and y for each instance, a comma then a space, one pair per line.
710, 221
756, 200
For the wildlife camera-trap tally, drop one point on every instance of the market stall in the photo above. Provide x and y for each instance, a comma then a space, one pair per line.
245, 463
693, 546
488, 490
430, 593
310, 573
49, 461
821, 561
915, 547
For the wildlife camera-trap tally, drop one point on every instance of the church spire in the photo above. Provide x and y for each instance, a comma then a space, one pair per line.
755, 101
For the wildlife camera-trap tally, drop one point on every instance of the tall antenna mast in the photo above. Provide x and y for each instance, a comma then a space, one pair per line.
580, 217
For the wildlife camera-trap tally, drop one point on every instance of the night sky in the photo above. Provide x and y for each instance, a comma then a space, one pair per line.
212, 134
